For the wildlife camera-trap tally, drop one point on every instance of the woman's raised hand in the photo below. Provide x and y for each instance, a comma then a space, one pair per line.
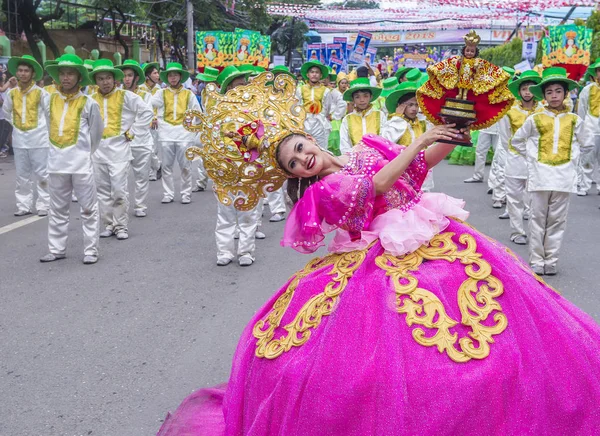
445, 132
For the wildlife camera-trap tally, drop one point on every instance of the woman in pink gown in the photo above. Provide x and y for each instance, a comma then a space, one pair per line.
415, 323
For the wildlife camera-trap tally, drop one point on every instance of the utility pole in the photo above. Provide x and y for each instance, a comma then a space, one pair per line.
190, 35
291, 43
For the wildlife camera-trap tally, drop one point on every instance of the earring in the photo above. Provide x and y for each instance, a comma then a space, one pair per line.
299, 188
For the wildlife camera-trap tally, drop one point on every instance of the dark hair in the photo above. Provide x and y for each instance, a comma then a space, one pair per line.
564, 86
362, 72
296, 187
362, 90
25, 64
135, 74
150, 70
406, 97
462, 50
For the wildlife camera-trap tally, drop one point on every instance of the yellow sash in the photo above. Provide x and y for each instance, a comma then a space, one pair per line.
64, 130
114, 102
566, 128
32, 101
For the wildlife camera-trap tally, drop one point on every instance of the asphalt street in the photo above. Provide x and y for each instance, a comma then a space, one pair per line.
109, 349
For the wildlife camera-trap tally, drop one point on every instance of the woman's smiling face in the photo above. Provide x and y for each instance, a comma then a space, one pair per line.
300, 156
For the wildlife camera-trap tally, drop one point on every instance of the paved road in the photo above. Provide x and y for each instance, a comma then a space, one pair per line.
108, 349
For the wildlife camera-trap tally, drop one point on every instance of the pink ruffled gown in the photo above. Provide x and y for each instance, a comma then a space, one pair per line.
416, 323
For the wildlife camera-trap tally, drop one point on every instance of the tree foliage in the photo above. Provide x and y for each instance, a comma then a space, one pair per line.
507, 54
287, 35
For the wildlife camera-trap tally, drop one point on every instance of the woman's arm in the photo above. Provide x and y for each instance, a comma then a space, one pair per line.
388, 175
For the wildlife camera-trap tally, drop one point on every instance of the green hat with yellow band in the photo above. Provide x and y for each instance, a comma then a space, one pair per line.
134, 65
174, 67
228, 74
209, 74
389, 85
361, 84
552, 75
310, 64
69, 61
13, 63
105, 66
148, 65
526, 76
89, 64
391, 102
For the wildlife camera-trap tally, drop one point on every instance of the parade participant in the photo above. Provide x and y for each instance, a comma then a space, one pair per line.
75, 129
517, 198
228, 217
315, 98
411, 310
151, 85
400, 74
404, 124
338, 111
588, 110
364, 119
552, 166
142, 143
51, 87
25, 108
125, 117
172, 102
92, 88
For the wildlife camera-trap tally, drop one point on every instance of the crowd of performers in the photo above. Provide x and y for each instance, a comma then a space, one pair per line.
77, 139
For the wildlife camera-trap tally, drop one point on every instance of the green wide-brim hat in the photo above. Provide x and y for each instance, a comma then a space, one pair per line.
413, 75
308, 65
389, 85
135, 66
210, 74
509, 70
105, 66
391, 102
148, 65
14, 62
282, 69
591, 71
526, 76
552, 75
50, 62
228, 75
174, 67
69, 61
401, 71
89, 64
361, 84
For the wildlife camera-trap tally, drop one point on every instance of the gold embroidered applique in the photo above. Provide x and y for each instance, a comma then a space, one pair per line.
26, 118
546, 126
476, 298
311, 314
65, 123
114, 111
355, 125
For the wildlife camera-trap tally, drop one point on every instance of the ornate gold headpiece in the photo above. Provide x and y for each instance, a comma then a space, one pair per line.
472, 38
240, 133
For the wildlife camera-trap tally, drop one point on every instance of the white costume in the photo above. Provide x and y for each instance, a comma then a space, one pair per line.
317, 103
154, 160
487, 138
125, 115
588, 110
174, 139
515, 168
338, 106
403, 131
357, 124
142, 147
75, 131
199, 175
25, 110
552, 143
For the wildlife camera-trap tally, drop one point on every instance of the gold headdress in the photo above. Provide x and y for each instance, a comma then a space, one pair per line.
472, 38
209, 39
239, 134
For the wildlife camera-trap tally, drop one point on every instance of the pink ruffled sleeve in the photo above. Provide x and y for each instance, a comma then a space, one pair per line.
338, 201
416, 172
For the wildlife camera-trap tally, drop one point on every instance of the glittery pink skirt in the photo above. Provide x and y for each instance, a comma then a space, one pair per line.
458, 337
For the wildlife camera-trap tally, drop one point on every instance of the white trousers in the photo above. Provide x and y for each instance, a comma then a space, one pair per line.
113, 194
276, 201
485, 141
497, 177
589, 168
517, 204
61, 188
199, 174
154, 160
140, 164
428, 184
547, 224
171, 152
319, 128
228, 218
31, 166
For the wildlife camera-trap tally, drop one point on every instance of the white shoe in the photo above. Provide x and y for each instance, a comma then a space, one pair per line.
259, 235
197, 188
473, 180
22, 212
51, 257
122, 235
539, 270
223, 262
185, 200
519, 239
504, 215
106, 233
550, 270
245, 260
166, 200
90, 259
497, 205
581, 193
526, 216
152, 178
140, 213
42, 212
277, 217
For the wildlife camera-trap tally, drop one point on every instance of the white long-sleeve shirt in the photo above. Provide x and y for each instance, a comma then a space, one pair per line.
552, 143
338, 105
122, 112
25, 111
588, 107
171, 105
144, 138
75, 129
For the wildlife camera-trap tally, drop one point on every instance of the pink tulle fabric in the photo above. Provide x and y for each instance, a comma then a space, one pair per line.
362, 373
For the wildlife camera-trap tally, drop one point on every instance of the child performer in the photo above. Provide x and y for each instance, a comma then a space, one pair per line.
316, 99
